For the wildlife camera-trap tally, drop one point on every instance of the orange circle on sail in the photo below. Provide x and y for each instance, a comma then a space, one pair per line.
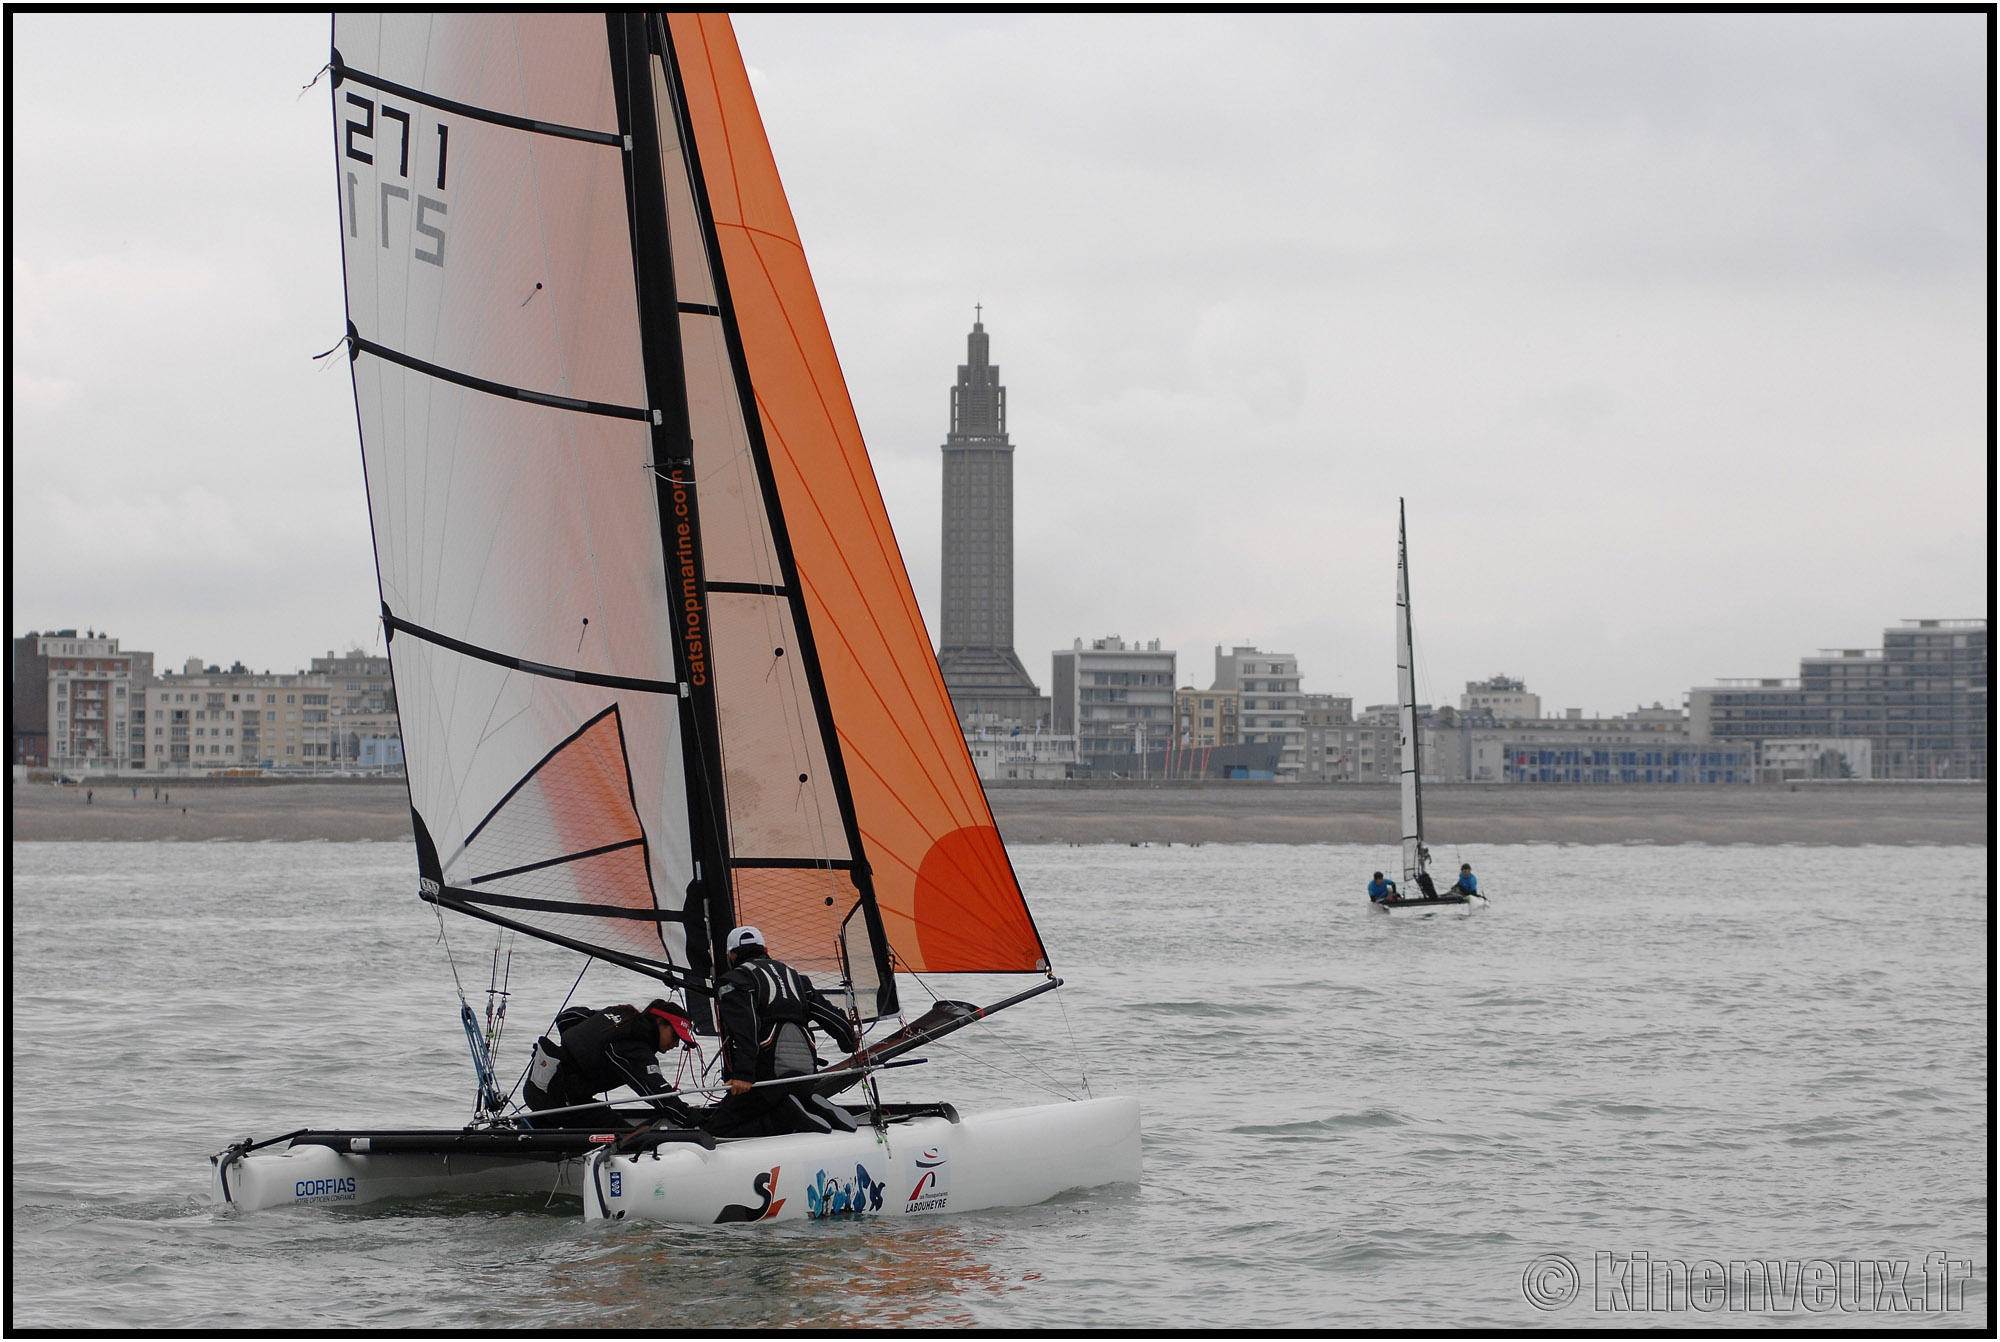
969, 913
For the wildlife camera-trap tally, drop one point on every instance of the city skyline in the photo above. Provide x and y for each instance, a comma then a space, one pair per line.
1671, 328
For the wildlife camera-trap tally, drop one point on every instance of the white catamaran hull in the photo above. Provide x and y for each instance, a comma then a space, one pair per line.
1008, 1158
1424, 908
319, 1176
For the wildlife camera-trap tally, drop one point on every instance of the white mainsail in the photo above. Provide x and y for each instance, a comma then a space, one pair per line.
1416, 858
501, 392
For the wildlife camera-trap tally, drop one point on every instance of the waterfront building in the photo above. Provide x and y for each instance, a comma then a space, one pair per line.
1017, 754
1502, 696
1269, 709
1114, 698
362, 700
89, 705
1782, 761
207, 719
1647, 745
976, 654
357, 683
1206, 717
1327, 719
1371, 746
1920, 701
28, 700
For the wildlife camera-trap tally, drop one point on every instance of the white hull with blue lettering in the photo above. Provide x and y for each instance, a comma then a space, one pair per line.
318, 1176
1007, 1158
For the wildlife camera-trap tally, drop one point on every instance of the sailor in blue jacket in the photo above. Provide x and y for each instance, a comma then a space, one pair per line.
1380, 889
1468, 884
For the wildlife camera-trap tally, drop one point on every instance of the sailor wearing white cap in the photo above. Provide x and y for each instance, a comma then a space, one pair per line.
764, 1008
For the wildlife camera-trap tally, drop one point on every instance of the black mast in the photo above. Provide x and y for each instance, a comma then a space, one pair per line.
707, 913
781, 541
1410, 657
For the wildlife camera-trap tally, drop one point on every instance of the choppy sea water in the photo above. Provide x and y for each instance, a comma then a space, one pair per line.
1684, 1053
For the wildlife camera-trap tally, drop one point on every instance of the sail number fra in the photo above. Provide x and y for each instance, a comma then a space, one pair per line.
361, 144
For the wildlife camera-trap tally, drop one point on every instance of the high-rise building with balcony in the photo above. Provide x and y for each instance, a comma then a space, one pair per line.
1920, 701
91, 701
1116, 699
207, 719
1270, 707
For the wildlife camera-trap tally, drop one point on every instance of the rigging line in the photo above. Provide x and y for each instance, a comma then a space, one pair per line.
1050, 1086
449, 958
983, 1024
588, 961
1075, 1052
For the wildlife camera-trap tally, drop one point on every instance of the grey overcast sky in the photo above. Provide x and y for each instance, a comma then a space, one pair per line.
1670, 328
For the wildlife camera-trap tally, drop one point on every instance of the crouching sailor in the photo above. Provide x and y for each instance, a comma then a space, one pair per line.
601, 1051
765, 1007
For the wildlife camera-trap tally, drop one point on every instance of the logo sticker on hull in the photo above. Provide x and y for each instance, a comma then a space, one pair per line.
827, 1196
324, 1190
764, 1186
933, 1189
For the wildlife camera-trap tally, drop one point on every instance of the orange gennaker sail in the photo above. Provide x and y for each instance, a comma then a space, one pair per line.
947, 893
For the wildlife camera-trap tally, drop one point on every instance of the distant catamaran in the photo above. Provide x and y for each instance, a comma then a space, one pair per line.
658, 665
1418, 893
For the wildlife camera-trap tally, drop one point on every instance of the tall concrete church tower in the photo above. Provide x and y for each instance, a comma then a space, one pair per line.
988, 684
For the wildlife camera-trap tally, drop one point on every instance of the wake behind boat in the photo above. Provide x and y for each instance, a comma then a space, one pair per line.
658, 667
1417, 895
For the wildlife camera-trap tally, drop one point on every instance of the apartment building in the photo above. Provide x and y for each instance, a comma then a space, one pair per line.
1920, 701
206, 718
1502, 696
1269, 709
1648, 745
1115, 698
1327, 719
1206, 717
89, 700
28, 700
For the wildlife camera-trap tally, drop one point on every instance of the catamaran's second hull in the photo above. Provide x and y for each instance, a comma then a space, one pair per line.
1427, 908
319, 1176
1008, 1158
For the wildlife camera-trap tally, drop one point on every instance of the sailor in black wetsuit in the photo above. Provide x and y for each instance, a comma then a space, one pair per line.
764, 1007
601, 1051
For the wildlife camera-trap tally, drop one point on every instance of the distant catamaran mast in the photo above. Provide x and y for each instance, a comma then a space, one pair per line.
1416, 858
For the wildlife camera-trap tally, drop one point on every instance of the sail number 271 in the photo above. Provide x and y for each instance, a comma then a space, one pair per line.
361, 144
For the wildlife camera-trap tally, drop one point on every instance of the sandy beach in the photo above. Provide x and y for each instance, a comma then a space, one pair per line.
1873, 813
